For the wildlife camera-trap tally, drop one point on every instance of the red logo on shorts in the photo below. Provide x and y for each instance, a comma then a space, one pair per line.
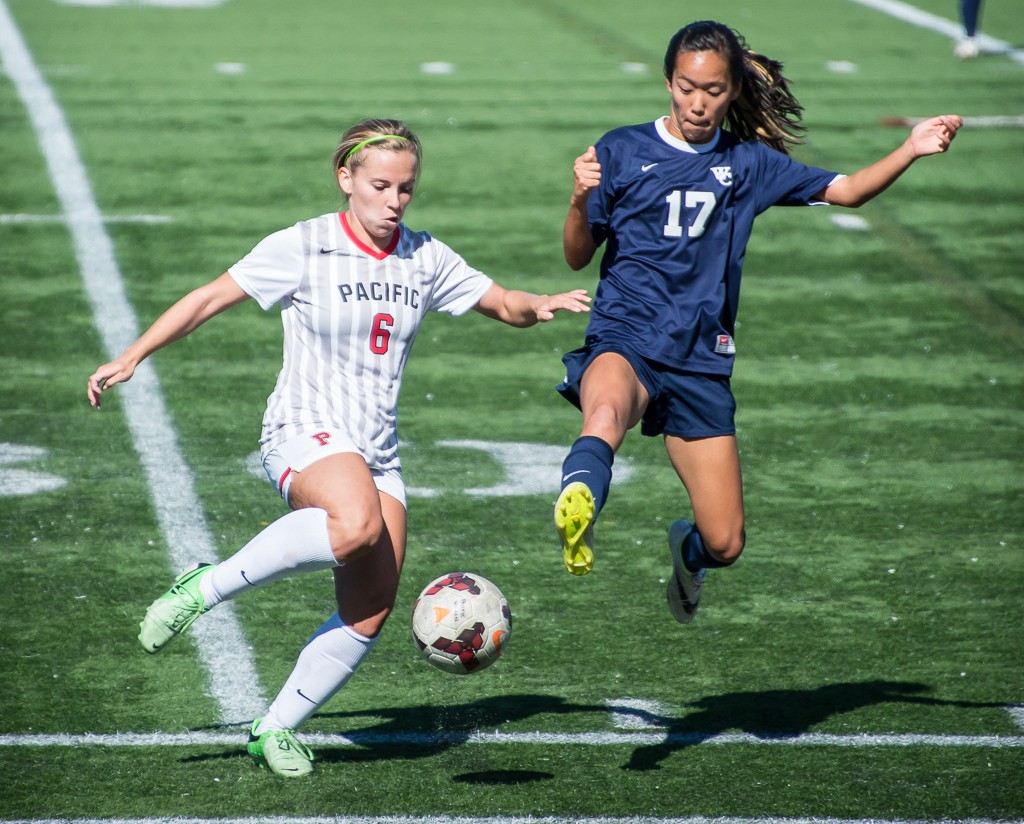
321, 438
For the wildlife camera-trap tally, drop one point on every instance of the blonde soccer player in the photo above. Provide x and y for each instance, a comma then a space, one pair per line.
353, 288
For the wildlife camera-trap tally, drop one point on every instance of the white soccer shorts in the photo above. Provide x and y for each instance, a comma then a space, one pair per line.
303, 450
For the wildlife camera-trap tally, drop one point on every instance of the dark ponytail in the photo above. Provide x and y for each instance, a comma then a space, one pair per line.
766, 109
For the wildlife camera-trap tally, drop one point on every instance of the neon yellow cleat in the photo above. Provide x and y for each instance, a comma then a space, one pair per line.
574, 518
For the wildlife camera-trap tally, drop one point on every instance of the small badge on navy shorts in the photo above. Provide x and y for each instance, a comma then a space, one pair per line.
725, 345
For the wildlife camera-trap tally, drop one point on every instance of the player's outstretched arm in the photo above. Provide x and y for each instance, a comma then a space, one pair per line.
188, 314
524, 309
928, 137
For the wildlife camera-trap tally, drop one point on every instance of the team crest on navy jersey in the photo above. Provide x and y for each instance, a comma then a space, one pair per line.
723, 174
679, 265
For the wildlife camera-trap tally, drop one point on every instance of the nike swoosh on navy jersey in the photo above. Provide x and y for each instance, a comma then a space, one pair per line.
647, 167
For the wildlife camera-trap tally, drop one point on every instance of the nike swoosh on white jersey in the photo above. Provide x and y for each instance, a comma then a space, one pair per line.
647, 167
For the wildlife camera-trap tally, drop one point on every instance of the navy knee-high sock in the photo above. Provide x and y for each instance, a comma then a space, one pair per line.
590, 461
696, 555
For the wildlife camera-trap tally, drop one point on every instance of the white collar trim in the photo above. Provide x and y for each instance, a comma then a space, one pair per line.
682, 145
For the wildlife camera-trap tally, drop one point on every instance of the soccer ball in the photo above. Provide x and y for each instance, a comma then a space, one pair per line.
461, 623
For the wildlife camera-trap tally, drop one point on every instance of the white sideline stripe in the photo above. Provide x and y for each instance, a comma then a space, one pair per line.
222, 646
501, 819
24, 218
594, 739
925, 20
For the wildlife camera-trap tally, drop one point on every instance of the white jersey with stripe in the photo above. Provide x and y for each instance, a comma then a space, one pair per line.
350, 315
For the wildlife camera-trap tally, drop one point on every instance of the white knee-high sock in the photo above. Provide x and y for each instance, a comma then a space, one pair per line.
325, 664
296, 542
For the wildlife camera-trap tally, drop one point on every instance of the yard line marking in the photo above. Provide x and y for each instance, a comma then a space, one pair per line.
530, 468
17, 481
1017, 714
853, 223
223, 649
456, 738
925, 20
501, 819
437, 67
842, 67
637, 714
24, 218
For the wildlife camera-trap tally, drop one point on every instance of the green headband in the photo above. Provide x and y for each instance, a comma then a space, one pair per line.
351, 152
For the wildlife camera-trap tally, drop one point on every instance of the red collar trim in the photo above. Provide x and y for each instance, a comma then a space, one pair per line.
370, 250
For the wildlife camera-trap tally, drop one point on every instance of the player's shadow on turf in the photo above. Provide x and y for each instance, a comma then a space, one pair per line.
785, 713
502, 777
406, 733
421, 731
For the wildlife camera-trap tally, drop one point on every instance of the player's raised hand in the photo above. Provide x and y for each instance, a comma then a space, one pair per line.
575, 301
108, 375
586, 173
577, 242
933, 136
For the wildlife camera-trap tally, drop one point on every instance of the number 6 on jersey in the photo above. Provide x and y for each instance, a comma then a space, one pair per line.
380, 334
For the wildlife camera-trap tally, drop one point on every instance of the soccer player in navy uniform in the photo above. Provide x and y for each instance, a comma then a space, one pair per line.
673, 202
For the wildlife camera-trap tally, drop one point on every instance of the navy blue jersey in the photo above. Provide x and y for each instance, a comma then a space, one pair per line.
675, 219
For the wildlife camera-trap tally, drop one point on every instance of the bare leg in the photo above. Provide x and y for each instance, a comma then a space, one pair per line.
710, 470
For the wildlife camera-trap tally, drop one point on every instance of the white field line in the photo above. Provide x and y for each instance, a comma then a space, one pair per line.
996, 121
27, 218
925, 20
222, 646
590, 739
636, 713
445, 819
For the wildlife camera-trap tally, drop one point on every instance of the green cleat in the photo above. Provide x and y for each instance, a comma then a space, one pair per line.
574, 517
280, 752
174, 611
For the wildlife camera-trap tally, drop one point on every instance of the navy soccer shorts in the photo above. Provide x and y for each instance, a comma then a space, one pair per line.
684, 404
